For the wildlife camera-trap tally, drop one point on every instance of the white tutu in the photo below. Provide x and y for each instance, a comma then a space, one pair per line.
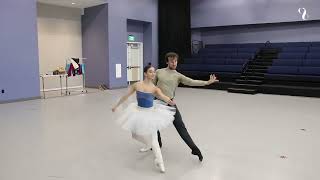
145, 121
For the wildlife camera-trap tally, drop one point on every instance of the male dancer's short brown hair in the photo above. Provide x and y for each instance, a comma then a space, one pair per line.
171, 55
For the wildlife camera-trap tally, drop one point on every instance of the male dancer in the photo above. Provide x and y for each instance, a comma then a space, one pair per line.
168, 79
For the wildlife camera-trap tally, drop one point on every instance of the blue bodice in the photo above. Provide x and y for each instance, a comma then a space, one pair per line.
145, 99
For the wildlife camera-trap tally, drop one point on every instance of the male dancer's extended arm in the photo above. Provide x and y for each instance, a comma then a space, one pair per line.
163, 97
191, 82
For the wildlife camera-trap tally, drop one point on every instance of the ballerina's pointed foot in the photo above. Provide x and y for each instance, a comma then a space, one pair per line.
160, 165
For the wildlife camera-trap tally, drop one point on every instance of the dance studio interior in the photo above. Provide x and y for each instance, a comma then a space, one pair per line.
159, 89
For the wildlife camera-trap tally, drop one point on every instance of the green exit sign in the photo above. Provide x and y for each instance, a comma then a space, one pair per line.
131, 38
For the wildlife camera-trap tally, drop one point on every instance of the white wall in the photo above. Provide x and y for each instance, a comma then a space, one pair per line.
59, 37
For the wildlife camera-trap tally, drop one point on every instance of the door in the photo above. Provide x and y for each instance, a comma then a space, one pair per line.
134, 61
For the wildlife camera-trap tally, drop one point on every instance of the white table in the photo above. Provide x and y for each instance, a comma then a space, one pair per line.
44, 76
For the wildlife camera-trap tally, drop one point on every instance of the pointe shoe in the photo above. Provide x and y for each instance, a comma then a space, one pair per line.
145, 149
160, 165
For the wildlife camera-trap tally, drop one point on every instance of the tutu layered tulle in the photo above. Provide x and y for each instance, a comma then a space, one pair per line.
145, 121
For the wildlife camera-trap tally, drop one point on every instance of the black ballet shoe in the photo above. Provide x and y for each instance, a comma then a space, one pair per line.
160, 143
197, 152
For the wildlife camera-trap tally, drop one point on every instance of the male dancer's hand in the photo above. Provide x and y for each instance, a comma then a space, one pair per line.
212, 79
172, 103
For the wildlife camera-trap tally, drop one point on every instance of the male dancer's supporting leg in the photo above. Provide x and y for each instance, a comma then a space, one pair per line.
183, 132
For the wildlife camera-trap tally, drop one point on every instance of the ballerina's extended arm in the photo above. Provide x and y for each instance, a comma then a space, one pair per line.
132, 89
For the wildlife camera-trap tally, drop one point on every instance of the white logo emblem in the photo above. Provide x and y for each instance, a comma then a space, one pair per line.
304, 14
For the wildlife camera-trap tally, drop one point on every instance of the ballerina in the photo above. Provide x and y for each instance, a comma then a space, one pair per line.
147, 116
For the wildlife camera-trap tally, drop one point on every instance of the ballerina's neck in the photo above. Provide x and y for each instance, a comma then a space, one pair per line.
147, 82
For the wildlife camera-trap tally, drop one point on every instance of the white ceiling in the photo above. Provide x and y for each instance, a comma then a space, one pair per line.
78, 3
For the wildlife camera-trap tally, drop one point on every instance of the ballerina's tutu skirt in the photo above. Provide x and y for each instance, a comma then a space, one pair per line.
146, 116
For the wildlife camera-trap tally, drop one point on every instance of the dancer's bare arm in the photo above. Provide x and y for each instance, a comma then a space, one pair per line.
163, 97
132, 89
191, 82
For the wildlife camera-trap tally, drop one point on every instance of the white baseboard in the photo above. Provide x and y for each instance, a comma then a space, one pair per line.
58, 89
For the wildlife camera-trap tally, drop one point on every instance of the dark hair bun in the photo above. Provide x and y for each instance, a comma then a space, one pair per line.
146, 68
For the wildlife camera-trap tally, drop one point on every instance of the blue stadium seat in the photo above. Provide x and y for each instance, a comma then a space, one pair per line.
287, 59
244, 56
231, 55
220, 50
221, 45
287, 62
314, 49
210, 68
313, 56
283, 70
227, 68
224, 49
291, 56
204, 50
297, 44
196, 55
295, 49
236, 61
192, 61
211, 46
276, 45
214, 61
248, 49
311, 62
313, 71
253, 45
216, 55
192, 67
317, 44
